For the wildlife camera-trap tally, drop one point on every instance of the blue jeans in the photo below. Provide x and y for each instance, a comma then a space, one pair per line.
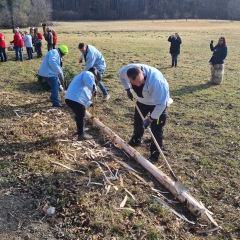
54, 84
174, 59
18, 50
29, 52
3, 55
101, 86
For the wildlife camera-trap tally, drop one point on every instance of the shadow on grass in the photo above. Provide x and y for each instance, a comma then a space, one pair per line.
32, 87
11, 148
190, 89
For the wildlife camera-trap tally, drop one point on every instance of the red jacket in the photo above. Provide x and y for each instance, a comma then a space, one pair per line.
2, 41
39, 35
17, 41
54, 38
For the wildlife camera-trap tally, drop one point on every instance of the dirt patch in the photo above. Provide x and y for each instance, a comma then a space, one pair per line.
20, 218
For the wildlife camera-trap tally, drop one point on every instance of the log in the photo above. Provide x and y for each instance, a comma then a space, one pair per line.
196, 207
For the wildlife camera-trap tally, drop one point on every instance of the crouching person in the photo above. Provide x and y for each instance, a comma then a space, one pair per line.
79, 94
217, 60
51, 71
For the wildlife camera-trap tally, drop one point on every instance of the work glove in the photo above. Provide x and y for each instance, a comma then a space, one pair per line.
129, 94
146, 123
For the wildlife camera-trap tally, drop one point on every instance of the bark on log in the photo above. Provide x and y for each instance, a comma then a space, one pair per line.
196, 207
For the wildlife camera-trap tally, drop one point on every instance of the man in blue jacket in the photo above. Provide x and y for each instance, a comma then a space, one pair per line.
153, 94
94, 58
51, 71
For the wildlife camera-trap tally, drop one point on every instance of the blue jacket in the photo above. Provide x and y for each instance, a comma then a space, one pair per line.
50, 66
81, 87
155, 90
94, 58
219, 54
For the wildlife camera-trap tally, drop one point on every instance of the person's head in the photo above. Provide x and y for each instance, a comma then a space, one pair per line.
135, 76
25, 32
82, 47
48, 29
63, 49
96, 74
16, 30
222, 41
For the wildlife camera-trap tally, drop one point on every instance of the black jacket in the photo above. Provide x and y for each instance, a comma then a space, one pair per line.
219, 53
175, 45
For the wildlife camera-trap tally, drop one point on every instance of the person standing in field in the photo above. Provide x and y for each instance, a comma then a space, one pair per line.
49, 39
51, 71
153, 94
27, 39
3, 47
175, 41
220, 52
94, 58
38, 43
78, 96
18, 44
54, 38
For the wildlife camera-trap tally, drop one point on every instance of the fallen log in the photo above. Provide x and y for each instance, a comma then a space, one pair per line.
196, 207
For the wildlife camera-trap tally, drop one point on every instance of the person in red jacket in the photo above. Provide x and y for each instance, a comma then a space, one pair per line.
3, 48
54, 39
38, 43
18, 44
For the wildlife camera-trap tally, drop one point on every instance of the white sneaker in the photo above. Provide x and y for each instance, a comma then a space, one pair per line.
106, 98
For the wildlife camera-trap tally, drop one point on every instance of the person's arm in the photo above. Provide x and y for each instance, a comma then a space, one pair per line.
122, 74
89, 81
170, 39
224, 53
90, 60
160, 94
211, 46
53, 62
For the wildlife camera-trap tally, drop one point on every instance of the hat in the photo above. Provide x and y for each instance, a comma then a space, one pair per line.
26, 31
63, 49
16, 29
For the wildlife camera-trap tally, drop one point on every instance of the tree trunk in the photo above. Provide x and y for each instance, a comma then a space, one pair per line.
197, 208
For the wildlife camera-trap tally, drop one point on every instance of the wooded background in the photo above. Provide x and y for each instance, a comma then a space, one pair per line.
33, 12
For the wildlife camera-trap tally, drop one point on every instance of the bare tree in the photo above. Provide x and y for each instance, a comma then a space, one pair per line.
233, 9
176, 14
187, 15
39, 11
165, 16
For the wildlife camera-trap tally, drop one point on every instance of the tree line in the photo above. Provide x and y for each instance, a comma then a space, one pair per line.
145, 9
33, 12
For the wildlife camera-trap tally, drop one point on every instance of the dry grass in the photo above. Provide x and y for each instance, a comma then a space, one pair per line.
201, 136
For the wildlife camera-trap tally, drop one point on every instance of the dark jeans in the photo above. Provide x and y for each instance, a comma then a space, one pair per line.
54, 46
3, 54
49, 46
156, 125
18, 52
38, 49
29, 52
54, 84
79, 111
174, 59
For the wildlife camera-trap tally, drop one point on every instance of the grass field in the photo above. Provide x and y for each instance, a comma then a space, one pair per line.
201, 138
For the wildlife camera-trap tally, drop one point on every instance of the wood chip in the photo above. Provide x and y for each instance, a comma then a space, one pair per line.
124, 201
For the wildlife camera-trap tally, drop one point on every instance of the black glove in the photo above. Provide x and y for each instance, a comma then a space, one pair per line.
211, 41
146, 123
91, 105
129, 93
95, 93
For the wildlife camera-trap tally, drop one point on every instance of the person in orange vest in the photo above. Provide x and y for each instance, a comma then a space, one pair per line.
18, 44
3, 47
